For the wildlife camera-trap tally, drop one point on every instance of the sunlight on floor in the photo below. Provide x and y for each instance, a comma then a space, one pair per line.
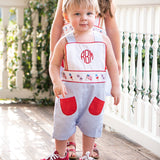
21, 134
7, 101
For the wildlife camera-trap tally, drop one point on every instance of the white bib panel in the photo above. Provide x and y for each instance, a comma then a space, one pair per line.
86, 56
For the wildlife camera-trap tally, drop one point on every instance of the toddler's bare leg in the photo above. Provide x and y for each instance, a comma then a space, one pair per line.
72, 148
61, 147
88, 144
72, 138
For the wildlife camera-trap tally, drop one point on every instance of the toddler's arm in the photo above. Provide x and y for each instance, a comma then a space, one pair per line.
54, 69
113, 71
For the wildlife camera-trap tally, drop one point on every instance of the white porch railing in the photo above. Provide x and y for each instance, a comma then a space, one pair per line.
139, 23
138, 115
19, 91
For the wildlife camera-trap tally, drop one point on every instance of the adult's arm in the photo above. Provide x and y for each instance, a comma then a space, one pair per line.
114, 35
56, 28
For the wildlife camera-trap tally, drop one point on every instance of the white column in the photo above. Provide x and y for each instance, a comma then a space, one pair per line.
5, 19
43, 56
19, 73
154, 69
139, 68
126, 65
133, 28
120, 20
34, 71
132, 65
146, 79
154, 78
159, 92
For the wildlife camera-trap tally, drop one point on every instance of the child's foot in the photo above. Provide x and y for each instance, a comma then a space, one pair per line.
55, 156
95, 152
71, 147
87, 157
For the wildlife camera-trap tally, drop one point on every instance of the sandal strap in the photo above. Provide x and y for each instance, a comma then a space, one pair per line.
71, 144
96, 151
72, 150
73, 157
95, 145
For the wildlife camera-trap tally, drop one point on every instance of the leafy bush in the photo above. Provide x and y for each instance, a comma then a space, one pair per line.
47, 9
42, 42
43, 82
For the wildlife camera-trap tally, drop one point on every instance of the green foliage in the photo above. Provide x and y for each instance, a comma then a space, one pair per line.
43, 82
40, 102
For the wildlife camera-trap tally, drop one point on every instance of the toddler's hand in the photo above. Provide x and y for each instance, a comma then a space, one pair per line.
59, 89
115, 92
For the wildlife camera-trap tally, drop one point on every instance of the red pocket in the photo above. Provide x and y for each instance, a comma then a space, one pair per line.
96, 106
68, 105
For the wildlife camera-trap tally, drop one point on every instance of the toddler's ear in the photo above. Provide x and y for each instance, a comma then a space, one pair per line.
65, 17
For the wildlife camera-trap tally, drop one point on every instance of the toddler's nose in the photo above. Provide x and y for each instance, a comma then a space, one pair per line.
84, 17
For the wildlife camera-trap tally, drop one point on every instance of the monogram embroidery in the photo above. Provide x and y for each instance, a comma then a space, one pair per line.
87, 56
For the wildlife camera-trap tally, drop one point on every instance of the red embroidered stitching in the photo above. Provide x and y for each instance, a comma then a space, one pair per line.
87, 56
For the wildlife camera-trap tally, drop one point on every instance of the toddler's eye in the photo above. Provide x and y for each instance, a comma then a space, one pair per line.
77, 14
89, 13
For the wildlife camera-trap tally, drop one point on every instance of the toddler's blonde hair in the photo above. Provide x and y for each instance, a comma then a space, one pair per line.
69, 4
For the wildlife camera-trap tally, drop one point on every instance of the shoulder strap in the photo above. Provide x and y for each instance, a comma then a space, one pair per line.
97, 36
70, 37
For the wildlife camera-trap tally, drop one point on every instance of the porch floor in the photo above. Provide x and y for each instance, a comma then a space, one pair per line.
26, 134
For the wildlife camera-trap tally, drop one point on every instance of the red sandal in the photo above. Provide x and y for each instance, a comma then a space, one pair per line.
95, 150
56, 156
72, 152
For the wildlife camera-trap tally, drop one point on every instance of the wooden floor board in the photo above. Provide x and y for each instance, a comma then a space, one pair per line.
26, 134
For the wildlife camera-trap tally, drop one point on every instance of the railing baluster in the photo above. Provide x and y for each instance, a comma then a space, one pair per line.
154, 78
5, 19
154, 70
43, 56
125, 68
19, 74
125, 75
34, 71
133, 27
132, 64
139, 68
146, 79
154, 86
159, 92
121, 23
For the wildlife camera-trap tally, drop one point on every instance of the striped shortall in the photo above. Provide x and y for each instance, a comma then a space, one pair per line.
84, 79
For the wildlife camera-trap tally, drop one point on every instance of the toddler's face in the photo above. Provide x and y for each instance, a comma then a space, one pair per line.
82, 19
